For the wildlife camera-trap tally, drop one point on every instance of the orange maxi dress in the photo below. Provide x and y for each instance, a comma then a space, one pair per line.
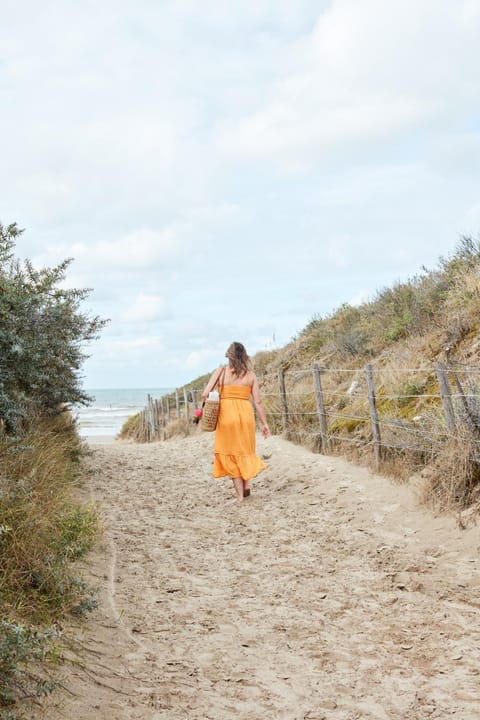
235, 454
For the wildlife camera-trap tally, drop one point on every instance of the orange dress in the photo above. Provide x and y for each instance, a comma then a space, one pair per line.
235, 454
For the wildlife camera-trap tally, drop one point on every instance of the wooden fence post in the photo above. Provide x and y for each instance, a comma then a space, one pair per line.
161, 419
283, 398
169, 416
177, 403
147, 422
320, 407
154, 417
446, 396
158, 416
185, 400
377, 440
194, 398
151, 418
462, 398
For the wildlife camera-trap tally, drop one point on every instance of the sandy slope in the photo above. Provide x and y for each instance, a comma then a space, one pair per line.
328, 595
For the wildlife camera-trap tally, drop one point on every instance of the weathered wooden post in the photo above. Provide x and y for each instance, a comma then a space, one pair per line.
445, 394
169, 414
177, 403
164, 418
151, 419
147, 424
462, 397
185, 400
194, 398
154, 418
283, 399
158, 416
377, 440
322, 417
159, 404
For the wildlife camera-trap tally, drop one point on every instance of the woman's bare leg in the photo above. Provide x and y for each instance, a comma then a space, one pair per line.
246, 488
238, 484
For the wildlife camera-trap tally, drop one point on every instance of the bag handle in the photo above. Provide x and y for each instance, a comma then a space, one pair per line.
222, 372
218, 378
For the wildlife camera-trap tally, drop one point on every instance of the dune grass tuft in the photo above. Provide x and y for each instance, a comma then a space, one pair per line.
43, 528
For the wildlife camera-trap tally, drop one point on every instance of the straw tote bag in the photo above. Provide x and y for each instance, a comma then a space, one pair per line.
211, 408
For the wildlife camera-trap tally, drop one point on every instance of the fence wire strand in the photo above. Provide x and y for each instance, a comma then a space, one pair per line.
436, 433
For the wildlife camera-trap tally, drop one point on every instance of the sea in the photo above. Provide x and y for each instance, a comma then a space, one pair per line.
111, 407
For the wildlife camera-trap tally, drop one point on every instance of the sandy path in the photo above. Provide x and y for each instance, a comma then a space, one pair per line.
328, 594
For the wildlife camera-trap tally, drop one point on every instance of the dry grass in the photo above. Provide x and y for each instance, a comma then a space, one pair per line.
453, 478
43, 529
132, 429
178, 428
42, 526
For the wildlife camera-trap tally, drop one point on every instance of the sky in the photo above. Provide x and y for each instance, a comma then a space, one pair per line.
228, 169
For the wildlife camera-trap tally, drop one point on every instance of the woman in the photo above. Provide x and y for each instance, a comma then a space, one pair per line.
235, 454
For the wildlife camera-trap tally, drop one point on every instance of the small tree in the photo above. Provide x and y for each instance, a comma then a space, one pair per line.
42, 336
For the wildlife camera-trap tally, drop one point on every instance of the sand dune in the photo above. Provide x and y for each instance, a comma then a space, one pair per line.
327, 595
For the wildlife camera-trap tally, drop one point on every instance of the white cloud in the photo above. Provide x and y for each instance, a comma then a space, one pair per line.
135, 250
368, 73
146, 308
280, 15
470, 13
201, 358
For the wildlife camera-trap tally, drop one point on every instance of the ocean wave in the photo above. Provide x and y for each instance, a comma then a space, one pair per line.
111, 408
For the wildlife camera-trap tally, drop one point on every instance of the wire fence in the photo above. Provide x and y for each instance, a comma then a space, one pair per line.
382, 408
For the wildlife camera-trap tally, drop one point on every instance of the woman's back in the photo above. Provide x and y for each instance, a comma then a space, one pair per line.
231, 378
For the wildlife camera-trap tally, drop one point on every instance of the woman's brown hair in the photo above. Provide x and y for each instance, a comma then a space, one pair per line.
238, 358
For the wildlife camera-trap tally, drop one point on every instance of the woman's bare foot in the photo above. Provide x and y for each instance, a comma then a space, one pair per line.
238, 484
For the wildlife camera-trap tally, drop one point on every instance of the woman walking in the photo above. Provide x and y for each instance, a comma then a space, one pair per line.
235, 454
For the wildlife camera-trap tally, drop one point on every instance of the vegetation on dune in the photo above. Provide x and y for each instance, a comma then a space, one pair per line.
43, 527
402, 332
130, 428
409, 326
443, 302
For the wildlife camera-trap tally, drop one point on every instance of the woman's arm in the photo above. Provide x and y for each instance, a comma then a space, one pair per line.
213, 379
257, 400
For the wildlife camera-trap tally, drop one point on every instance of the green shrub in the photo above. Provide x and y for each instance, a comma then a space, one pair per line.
409, 390
77, 531
22, 648
42, 332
